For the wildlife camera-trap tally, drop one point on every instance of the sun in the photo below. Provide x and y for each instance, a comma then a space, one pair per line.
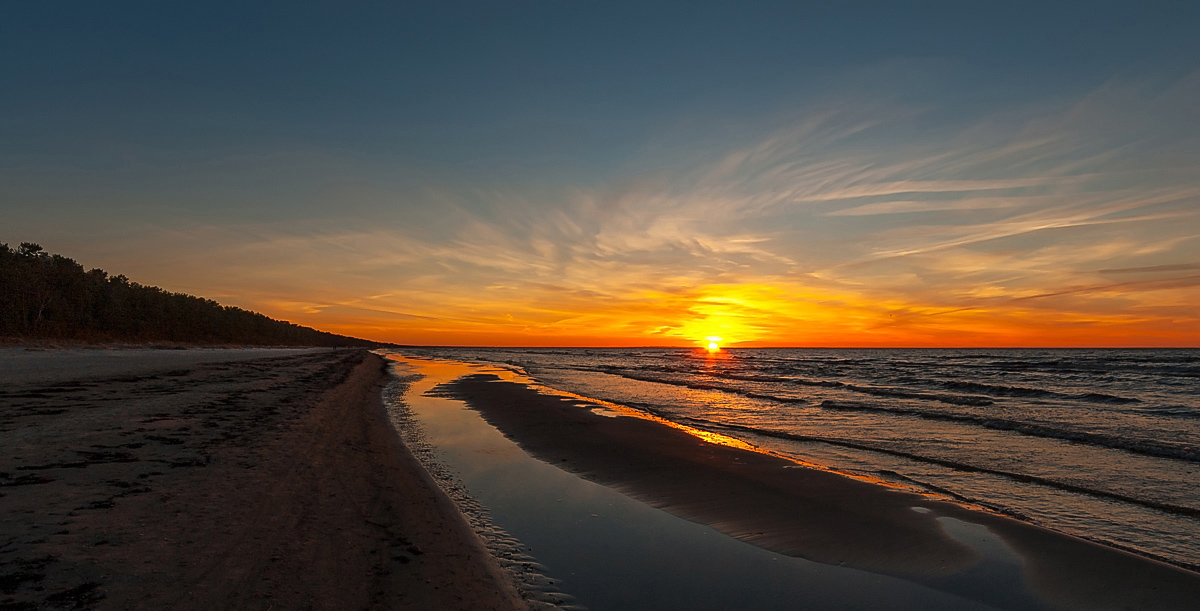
714, 343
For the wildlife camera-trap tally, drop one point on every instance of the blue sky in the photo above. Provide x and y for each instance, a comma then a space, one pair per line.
502, 172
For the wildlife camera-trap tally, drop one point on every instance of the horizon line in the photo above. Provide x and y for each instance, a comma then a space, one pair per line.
723, 348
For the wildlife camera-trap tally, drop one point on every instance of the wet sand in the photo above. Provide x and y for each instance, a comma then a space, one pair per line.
220, 483
781, 506
576, 544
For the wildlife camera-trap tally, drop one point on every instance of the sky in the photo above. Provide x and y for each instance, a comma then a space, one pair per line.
624, 174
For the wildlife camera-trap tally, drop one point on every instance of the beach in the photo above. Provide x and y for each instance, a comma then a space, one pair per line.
780, 505
314, 479
594, 306
221, 479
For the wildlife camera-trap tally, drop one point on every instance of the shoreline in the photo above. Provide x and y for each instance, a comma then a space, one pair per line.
254, 483
784, 507
579, 544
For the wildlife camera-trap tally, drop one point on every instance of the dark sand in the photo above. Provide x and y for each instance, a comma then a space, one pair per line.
259, 484
813, 514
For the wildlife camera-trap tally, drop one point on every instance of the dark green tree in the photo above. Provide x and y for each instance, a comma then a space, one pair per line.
44, 296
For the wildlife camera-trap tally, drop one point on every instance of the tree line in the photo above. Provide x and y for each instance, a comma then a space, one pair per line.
51, 297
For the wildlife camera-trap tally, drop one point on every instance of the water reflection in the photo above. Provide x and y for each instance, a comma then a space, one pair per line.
613, 552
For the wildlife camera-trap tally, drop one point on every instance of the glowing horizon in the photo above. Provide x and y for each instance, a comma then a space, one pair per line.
790, 181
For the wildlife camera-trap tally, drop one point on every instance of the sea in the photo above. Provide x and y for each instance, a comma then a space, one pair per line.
1100, 444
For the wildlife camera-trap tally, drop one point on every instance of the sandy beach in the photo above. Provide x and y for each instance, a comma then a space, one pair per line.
821, 516
255, 479
221, 480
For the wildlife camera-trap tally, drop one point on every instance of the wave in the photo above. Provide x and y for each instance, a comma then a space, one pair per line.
1144, 447
1099, 397
1174, 411
907, 394
698, 386
867, 390
980, 388
956, 465
998, 390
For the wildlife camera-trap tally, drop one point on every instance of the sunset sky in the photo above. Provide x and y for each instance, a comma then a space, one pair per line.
609, 173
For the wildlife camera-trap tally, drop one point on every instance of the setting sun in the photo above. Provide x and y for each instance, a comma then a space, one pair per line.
714, 343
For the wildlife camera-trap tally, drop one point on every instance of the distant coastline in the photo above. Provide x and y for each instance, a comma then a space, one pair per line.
49, 300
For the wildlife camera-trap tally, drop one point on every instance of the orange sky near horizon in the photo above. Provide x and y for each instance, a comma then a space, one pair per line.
589, 174
838, 224
767, 317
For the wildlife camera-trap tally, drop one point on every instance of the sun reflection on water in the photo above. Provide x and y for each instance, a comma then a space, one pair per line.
615, 409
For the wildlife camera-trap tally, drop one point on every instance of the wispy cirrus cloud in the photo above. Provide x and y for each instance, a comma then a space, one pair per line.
835, 229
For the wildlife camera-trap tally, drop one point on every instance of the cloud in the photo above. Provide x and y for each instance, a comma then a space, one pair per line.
829, 230
1178, 267
908, 206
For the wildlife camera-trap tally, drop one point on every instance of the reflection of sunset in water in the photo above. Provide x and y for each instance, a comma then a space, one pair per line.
924, 419
442, 368
718, 400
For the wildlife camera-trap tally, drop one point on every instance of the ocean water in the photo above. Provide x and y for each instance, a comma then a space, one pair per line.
1101, 444
582, 546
